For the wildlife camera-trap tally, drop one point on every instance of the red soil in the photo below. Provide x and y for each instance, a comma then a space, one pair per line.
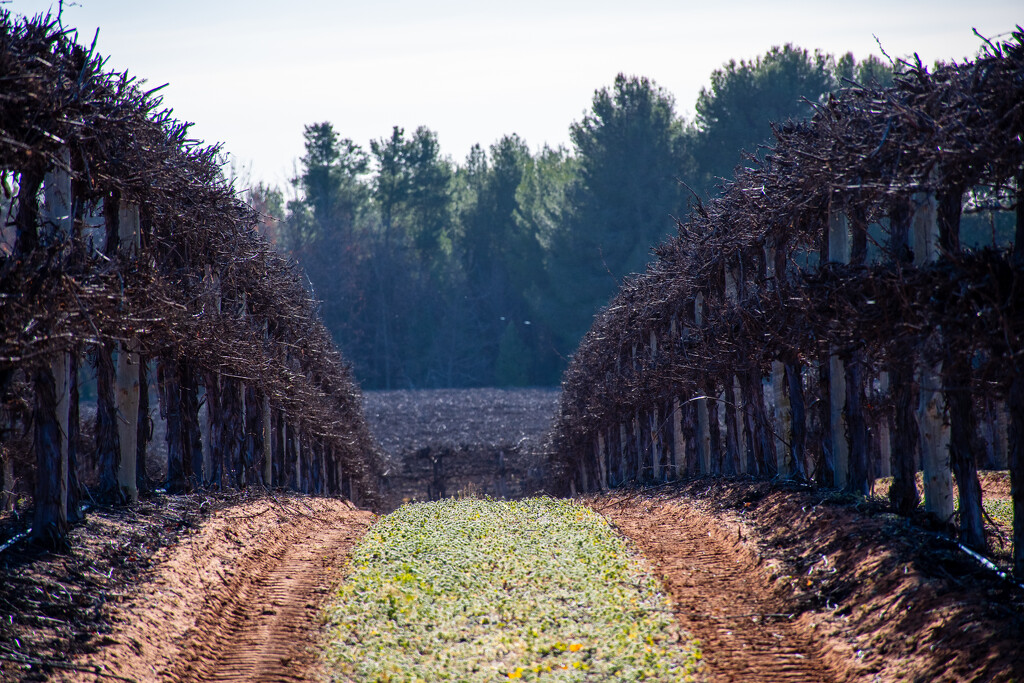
832, 589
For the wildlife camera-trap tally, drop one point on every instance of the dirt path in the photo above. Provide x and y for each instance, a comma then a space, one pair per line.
720, 596
238, 600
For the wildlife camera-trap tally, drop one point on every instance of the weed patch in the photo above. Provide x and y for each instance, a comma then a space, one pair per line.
482, 590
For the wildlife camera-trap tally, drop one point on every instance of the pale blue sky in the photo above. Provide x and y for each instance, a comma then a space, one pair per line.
251, 74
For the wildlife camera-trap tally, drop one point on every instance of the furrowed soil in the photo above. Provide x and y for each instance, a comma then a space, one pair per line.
787, 584
237, 599
780, 583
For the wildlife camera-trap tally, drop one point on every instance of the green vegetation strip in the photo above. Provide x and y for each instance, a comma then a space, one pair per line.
481, 590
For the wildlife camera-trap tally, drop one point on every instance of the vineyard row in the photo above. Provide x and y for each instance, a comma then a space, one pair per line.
821, 320
124, 244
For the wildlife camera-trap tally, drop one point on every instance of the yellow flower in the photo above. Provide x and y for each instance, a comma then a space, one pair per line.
575, 647
517, 673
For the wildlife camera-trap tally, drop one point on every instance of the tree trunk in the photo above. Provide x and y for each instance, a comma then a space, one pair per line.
108, 444
253, 435
291, 463
1015, 406
753, 396
193, 437
600, 452
763, 441
145, 430
641, 450
903, 492
6, 429
305, 465
962, 428
50, 525
27, 218
950, 207
620, 454
825, 472
214, 471
232, 431
278, 471
798, 430
839, 444
6, 480
177, 435
743, 444
346, 486
712, 461
938, 477
74, 430
322, 470
858, 480
708, 446
267, 456
783, 419
731, 465
690, 458
654, 442
313, 472
331, 468
128, 229
884, 428
301, 462
127, 418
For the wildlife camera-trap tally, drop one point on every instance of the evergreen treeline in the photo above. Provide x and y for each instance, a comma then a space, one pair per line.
488, 272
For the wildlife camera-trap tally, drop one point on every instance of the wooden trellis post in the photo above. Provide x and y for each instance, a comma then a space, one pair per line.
52, 411
678, 438
205, 429
278, 474
638, 445
268, 435
938, 477
1015, 409
300, 471
6, 463
798, 424
354, 493
127, 372
339, 470
654, 425
900, 365
623, 453
584, 482
735, 445
703, 425
318, 469
267, 425
779, 389
884, 432
611, 450
783, 418
1000, 434
253, 417
838, 252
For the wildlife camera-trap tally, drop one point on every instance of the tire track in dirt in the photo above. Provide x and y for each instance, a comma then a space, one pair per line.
720, 595
239, 600
265, 631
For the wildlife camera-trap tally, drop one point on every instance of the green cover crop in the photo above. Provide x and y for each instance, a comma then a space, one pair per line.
481, 590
